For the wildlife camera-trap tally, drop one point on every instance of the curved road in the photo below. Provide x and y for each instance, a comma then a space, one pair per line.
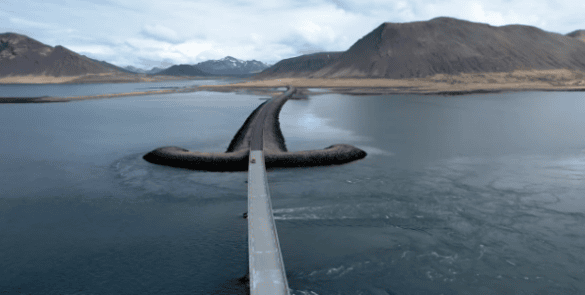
272, 106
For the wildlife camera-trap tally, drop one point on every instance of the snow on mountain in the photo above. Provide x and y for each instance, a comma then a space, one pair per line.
231, 66
152, 71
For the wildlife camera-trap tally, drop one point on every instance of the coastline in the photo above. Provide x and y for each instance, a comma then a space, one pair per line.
441, 84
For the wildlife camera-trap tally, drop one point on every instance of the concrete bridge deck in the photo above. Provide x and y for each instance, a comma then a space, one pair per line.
267, 273
266, 267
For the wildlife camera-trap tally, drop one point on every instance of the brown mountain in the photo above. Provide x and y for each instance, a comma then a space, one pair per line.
299, 66
579, 34
22, 56
451, 46
183, 70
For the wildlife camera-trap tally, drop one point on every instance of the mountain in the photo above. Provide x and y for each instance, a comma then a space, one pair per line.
22, 56
135, 70
299, 66
183, 70
452, 46
579, 34
154, 71
143, 71
109, 65
231, 66
228, 66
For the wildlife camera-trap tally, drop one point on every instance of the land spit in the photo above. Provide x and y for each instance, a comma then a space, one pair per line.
275, 153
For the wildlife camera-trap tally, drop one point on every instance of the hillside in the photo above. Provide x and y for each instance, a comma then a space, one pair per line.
440, 46
23, 56
183, 70
579, 34
299, 66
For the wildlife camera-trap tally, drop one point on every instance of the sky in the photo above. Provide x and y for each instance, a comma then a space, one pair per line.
148, 33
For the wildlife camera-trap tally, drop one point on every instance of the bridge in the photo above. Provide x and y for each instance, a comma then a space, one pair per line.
266, 266
259, 144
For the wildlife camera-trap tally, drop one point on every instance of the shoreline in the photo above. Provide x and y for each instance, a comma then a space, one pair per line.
441, 84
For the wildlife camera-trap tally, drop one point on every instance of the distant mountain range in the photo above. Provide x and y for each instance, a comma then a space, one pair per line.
440, 45
227, 66
231, 66
22, 56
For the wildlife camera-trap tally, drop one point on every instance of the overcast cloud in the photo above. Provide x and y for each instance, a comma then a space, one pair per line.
147, 33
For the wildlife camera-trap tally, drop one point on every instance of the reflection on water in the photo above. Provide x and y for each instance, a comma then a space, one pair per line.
458, 195
67, 90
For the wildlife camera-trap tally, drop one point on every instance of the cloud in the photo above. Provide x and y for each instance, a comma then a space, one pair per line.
159, 32
185, 31
29, 23
478, 12
94, 50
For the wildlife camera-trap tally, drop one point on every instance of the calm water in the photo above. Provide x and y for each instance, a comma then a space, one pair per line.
479, 194
67, 90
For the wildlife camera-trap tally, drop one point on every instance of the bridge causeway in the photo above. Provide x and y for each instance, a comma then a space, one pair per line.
257, 144
266, 266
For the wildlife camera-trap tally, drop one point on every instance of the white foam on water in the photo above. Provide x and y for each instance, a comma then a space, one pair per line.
302, 292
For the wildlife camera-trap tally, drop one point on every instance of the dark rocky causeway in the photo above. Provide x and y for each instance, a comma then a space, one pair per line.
275, 153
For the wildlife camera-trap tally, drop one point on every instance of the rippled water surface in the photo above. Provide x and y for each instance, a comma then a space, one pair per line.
480, 194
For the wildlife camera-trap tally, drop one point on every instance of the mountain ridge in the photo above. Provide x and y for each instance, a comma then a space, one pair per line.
231, 66
299, 66
22, 55
578, 34
451, 46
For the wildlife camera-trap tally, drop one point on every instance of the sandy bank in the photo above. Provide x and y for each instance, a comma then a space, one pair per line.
36, 80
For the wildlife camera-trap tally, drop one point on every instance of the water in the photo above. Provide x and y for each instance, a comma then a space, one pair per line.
68, 90
477, 194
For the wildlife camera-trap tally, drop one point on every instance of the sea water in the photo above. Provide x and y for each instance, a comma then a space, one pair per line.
475, 194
